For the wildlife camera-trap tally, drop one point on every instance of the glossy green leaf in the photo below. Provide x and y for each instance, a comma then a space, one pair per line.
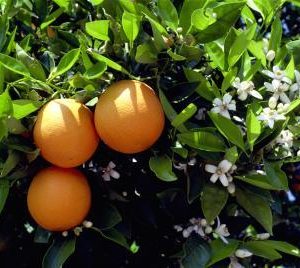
257, 207
283, 247
257, 180
276, 33
146, 53
108, 61
4, 191
58, 253
197, 252
232, 154
10, 163
33, 65
184, 115
254, 128
24, 107
6, 107
228, 129
275, 175
221, 251
213, 200
115, 236
201, 18
13, 65
131, 26
259, 248
96, 70
202, 140
52, 17
66, 63
96, 2
168, 13
162, 167
109, 216
98, 29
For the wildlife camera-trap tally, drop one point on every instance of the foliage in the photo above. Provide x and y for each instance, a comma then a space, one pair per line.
213, 65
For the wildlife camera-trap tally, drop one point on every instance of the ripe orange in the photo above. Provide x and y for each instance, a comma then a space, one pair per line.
65, 133
59, 198
129, 117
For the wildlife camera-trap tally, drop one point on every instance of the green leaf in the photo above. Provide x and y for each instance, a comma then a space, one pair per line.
240, 44
275, 175
202, 140
131, 26
232, 154
253, 125
197, 253
4, 191
98, 29
52, 17
162, 167
295, 104
257, 207
109, 216
6, 107
66, 62
96, 70
58, 253
168, 13
221, 251
258, 180
96, 2
228, 129
215, 51
24, 107
146, 53
41, 7
115, 236
276, 33
283, 247
63, 3
32, 64
108, 61
201, 18
256, 49
213, 200
13, 65
10, 163
259, 248
188, 7
226, 13
184, 115
169, 110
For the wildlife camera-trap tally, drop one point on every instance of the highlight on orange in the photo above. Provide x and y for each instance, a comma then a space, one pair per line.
129, 117
65, 134
58, 198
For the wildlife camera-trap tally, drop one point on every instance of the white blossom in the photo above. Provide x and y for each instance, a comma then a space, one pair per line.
277, 74
285, 138
243, 253
246, 88
110, 172
222, 106
270, 55
200, 114
263, 236
222, 231
279, 92
270, 116
282, 108
195, 225
219, 172
295, 88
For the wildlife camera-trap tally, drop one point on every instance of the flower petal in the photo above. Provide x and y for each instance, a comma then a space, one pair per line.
217, 102
111, 164
269, 87
106, 176
225, 113
231, 106
216, 110
114, 174
297, 75
214, 178
284, 98
268, 73
223, 179
256, 94
210, 168
225, 165
227, 98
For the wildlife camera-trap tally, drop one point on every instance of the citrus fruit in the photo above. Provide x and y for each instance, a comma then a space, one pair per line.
65, 134
59, 198
129, 117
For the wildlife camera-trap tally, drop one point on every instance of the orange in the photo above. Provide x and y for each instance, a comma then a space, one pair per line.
59, 198
65, 133
129, 117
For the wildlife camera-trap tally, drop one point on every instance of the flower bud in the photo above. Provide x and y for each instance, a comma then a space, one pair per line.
270, 55
64, 234
87, 224
231, 188
243, 253
263, 236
